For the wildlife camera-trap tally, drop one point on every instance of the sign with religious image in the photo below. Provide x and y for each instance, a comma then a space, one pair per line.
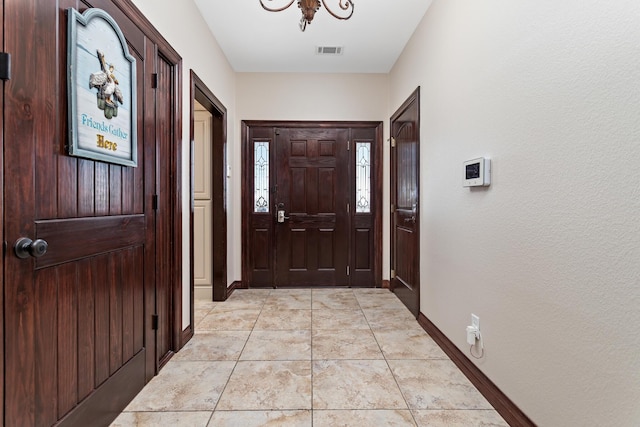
101, 89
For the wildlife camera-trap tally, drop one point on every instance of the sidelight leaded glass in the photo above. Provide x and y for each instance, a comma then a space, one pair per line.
363, 177
261, 176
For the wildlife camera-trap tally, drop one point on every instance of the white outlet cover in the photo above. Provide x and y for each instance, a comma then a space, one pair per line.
475, 321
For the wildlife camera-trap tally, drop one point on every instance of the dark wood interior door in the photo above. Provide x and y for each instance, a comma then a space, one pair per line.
405, 176
78, 338
312, 237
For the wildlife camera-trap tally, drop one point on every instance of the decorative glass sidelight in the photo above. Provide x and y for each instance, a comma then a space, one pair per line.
261, 177
363, 177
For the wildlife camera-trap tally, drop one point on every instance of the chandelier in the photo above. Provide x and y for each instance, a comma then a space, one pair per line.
310, 7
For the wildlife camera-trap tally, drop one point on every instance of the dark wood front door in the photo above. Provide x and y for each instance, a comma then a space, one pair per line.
326, 180
405, 177
312, 239
79, 339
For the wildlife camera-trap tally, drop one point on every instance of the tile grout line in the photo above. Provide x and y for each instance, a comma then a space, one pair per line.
311, 352
394, 328
389, 366
238, 359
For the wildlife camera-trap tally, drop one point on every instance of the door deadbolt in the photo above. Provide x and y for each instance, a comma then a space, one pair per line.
25, 247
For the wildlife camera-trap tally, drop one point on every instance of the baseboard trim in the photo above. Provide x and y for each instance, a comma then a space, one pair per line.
505, 407
235, 285
386, 284
203, 292
106, 403
187, 334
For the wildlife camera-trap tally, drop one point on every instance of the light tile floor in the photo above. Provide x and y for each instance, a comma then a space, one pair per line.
302, 357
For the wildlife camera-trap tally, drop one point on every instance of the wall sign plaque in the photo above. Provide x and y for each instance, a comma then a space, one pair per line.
101, 89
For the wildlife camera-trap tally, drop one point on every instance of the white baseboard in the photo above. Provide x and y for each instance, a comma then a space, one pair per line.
203, 292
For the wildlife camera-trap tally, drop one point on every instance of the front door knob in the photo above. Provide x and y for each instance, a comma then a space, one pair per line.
25, 247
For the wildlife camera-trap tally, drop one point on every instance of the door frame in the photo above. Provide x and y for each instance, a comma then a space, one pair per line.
413, 98
172, 199
376, 188
4, 242
201, 93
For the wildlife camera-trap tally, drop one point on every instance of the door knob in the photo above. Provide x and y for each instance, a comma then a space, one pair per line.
281, 216
280, 213
25, 247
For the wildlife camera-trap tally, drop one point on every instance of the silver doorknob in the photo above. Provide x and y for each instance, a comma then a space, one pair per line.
25, 247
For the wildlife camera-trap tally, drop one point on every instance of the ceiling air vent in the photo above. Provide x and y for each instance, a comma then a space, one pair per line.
329, 50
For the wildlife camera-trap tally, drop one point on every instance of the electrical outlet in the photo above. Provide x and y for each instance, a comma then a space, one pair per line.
475, 321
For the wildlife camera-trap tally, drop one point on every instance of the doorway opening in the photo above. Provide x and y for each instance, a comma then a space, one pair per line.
208, 217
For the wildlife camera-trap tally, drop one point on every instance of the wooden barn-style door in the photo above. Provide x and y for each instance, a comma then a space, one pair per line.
311, 206
89, 318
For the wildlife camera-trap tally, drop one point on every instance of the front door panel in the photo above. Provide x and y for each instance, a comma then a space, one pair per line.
312, 243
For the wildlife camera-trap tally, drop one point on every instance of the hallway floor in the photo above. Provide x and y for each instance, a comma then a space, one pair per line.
302, 357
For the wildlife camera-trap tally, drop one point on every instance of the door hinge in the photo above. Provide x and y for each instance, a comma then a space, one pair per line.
154, 322
393, 274
5, 66
154, 80
348, 207
154, 202
393, 208
277, 131
348, 145
348, 271
393, 142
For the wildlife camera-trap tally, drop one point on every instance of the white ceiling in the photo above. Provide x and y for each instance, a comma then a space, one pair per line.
255, 40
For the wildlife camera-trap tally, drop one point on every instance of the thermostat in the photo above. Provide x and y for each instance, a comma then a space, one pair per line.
476, 173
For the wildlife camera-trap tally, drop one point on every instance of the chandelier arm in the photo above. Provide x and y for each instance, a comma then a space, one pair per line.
265, 7
344, 5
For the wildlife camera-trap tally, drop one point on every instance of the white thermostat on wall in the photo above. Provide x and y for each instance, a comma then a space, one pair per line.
476, 173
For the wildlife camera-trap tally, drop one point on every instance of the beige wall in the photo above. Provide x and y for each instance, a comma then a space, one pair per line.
293, 96
549, 255
206, 59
